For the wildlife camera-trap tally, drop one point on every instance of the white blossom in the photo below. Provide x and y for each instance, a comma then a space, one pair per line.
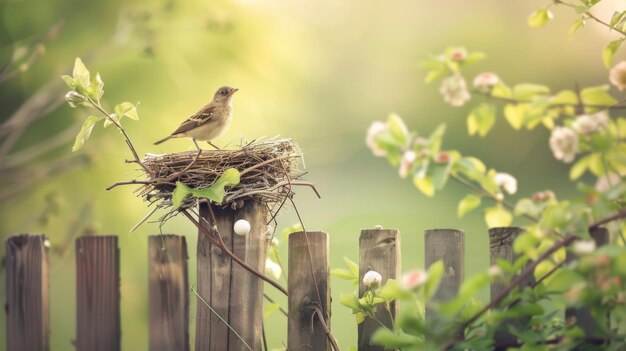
587, 124
242, 227
604, 183
375, 129
273, 269
495, 272
406, 163
617, 75
454, 90
507, 182
485, 81
564, 144
583, 247
372, 279
414, 279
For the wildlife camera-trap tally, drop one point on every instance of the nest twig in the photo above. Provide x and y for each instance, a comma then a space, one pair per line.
268, 171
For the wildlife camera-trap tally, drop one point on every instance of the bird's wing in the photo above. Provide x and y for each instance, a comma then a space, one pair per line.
196, 120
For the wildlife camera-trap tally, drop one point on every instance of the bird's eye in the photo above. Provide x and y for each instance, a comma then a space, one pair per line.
224, 92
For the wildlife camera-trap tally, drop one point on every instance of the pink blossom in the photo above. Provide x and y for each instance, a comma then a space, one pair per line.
414, 279
485, 81
617, 75
406, 163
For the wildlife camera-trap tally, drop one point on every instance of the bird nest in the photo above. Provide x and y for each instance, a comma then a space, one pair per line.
268, 170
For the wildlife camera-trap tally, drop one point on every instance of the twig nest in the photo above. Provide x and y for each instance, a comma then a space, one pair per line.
242, 227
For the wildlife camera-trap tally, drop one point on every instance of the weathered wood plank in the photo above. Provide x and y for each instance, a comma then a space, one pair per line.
98, 294
379, 250
168, 293
27, 307
235, 295
305, 332
447, 245
501, 247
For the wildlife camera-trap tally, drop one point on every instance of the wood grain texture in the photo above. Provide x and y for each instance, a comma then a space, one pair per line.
379, 250
304, 331
501, 248
27, 307
98, 294
447, 245
231, 291
583, 316
168, 293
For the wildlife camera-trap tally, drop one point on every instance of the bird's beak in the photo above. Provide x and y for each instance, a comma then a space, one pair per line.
233, 90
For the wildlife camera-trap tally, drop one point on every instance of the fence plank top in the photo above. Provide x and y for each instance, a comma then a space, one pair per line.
27, 308
379, 250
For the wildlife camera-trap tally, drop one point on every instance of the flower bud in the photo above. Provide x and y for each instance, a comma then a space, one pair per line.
372, 279
74, 99
242, 227
442, 157
414, 279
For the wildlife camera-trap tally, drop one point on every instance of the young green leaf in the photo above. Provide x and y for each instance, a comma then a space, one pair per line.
468, 203
69, 81
126, 109
609, 51
514, 114
576, 25
528, 91
598, 95
539, 18
354, 268
180, 192
481, 119
398, 129
435, 272
81, 77
85, 132
425, 185
215, 192
440, 174
96, 90
498, 216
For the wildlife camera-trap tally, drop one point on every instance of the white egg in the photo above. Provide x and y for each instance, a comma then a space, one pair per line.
242, 227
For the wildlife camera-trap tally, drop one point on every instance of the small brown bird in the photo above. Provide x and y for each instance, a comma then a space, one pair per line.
210, 122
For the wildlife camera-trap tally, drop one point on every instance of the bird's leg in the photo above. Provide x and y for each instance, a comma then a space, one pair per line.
210, 143
196, 144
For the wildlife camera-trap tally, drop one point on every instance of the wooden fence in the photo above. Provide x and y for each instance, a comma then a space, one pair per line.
233, 294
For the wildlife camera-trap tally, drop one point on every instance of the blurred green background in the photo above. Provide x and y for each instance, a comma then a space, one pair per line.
319, 72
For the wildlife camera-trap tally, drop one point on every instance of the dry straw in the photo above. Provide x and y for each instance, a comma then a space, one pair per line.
268, 171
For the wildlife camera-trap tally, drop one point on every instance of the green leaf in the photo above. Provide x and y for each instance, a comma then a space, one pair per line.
435, 74
69, 81
435, 272
342, 273
514, 114
564, 97
468, 203
284, 234
398, 129
609, 51
425, 185
85, 132
393, 290
527, 207
435, 139
474, 57
539, 18
215, 192
393, 340
81, 76
97, 88
617, 18
481, 119
525, 243
126, 109
528, 91
579, 168
576, 25
501, 91
590, 3
354, 268
598, 95
349, 301
180, 192
270, 308
440, 174
498, 216
108, 122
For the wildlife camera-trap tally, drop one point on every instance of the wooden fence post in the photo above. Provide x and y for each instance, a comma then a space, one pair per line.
583, 316
229, 295
447, 245
501, 247
379, 250
168, 293
97, 294
27, 308
308, 293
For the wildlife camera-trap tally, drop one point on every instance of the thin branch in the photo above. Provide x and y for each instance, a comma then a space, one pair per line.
320, 316
616, 216
617, 106
530, 268
592, 16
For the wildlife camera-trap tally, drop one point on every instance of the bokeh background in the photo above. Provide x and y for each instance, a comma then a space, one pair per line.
318, 72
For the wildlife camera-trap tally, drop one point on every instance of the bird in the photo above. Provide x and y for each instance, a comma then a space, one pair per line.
210, 121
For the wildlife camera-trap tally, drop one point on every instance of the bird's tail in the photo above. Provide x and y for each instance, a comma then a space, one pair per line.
162, 140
